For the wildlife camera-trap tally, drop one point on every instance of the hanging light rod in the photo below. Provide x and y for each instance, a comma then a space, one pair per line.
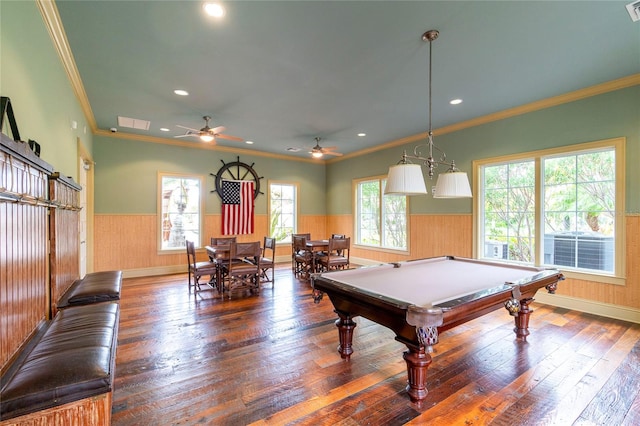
406, 178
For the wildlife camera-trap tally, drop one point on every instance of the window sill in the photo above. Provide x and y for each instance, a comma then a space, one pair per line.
594, 277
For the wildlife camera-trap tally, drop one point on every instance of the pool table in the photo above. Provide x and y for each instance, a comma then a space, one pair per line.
417, 299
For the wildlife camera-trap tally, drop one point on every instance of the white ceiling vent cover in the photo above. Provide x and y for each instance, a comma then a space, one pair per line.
133, 123
634, 10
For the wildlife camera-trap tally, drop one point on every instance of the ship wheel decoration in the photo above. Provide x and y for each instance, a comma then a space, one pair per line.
237, 170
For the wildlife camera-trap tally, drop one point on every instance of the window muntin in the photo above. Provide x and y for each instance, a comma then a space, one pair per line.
282, 211
381, 220
555, 207
180, 211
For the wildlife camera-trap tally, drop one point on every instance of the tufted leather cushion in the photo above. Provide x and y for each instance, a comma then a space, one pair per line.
93, 288
74, 359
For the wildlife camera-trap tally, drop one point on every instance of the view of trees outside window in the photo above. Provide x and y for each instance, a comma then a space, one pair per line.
381, 219
509, 211
282, 220
180, 211
577, 212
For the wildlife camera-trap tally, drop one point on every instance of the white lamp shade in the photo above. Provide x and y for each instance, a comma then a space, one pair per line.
405, 179
452, 185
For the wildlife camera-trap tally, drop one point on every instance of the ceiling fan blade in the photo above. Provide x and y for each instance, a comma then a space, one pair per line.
218, 129
231, 138
188, 128
337, 154
186, 135
329, 148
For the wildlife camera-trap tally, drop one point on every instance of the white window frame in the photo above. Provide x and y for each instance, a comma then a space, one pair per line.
381, 180
295, 185
165, 201
618, 145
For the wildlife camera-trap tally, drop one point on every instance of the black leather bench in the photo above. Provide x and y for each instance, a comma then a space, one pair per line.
93, 288
71, 360
74, 359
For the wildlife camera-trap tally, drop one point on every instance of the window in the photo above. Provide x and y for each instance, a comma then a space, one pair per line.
180, 211
555, 207
509, 211
282, 211
381, 220
579, 210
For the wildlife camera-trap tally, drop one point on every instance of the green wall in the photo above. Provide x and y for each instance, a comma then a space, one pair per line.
126, 175
31, 74
600, 117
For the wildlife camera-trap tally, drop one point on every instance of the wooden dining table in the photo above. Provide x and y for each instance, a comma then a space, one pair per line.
316, 246
218, 254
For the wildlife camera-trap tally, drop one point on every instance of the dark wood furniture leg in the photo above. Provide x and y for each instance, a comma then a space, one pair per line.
418, 362
345, 328
522, 319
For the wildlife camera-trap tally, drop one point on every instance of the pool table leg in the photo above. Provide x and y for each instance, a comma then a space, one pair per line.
345, 328
522, 319
418, 362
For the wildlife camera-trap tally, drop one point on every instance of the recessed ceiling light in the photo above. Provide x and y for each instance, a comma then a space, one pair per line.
181, 92
249, 142
455, 101
164, 129
214, 9
362, 135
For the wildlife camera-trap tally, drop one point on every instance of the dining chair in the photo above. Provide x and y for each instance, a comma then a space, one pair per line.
293, 250
221, 241
267, 260
338, 236
242, 269
303, 258
338, 254
197, 269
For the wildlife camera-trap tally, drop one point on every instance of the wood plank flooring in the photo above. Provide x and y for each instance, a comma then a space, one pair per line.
271, 359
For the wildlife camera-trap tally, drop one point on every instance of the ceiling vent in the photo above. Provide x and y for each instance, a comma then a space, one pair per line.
133, 123
634, 10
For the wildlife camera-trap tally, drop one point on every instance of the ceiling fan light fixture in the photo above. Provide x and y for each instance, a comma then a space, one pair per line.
316, 153
214, 9
206, 138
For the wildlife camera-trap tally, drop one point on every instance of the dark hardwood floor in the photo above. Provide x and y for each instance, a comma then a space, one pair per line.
271, 359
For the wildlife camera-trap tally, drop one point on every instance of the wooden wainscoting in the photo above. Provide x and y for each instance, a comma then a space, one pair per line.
24, 269
130, 242
430, 235
64, 223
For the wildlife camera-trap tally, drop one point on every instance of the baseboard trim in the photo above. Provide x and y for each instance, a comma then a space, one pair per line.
365, 262
150, 272
589, 306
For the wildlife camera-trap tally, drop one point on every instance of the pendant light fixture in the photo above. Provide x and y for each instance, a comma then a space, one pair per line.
406, 178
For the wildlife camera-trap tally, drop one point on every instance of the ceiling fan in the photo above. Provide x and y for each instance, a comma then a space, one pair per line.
318, 151
208, 134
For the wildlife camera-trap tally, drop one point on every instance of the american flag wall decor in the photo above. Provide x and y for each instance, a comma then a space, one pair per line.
237, 207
